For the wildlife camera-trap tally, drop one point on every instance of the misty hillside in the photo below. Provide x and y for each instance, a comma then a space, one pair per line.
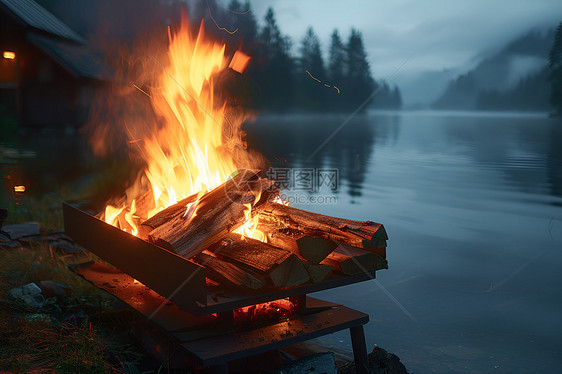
420, 90
504, 80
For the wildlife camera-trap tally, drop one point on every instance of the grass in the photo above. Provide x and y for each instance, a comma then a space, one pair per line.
39, 346
37, 340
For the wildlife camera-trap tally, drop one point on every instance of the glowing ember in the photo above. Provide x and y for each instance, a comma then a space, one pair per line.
19, 188
199, 142
277, 310
240, 62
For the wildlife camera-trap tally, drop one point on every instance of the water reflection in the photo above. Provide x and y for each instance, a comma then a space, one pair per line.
290, 141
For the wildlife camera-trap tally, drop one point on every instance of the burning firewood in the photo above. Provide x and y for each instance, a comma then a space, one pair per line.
313, 250
351, 261
282, 267
361, 234
226, 273
217, 213
164, 216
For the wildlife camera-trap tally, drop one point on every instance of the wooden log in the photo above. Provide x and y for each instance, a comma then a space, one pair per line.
124, 224
143, 204
280, 266
361, 234
351, 261
379, 251
218, 212
312, 250
227, 274
317, 272
314, 253
164, 216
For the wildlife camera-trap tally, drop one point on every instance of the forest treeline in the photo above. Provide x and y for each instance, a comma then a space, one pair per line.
285, 75
339, 75
555, 70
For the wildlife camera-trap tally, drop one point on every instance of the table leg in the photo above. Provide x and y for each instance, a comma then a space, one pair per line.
359, 349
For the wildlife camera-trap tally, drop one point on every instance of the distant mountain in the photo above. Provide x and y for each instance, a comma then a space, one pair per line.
422, 89
513, 78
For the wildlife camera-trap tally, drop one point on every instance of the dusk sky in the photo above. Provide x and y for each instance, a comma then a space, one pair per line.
431, 35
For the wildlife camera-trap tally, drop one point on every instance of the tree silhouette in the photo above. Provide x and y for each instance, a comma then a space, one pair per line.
337, 70
311, 73
241, 18
555, 67
359, 83
275, 65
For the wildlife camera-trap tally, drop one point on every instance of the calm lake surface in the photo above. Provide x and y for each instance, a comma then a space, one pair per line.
472, 204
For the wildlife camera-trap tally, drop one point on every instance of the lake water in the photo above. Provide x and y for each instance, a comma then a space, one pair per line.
472, 203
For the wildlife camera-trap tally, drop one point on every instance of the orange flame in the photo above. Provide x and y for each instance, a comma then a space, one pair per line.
199, 142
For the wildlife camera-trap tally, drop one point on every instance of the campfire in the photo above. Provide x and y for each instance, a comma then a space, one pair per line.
201, 227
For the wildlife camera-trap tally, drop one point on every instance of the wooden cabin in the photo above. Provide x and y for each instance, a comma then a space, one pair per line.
48, 72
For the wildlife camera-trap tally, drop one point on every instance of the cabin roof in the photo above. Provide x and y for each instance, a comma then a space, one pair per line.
35, 16
77, 59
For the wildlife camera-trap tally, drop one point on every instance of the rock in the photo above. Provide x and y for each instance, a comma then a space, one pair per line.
380, 362
51, 289
30, 239
388, 363
30, 294
65, 247
7, 243
57, 236
20, 230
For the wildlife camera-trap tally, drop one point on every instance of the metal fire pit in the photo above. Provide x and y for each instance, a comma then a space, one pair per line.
173, 294
175, 278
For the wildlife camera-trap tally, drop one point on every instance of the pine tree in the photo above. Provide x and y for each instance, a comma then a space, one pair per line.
555, 67
242, 23
311, 73
337, 60
337, 71
276, 66
359, 83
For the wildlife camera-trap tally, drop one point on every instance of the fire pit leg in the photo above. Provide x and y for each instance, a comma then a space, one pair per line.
359, 349
300, 302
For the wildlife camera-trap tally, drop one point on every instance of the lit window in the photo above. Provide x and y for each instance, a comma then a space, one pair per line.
9, 55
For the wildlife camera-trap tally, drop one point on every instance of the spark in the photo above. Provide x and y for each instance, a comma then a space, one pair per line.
319, 81
19, 188
135, 140
141, 90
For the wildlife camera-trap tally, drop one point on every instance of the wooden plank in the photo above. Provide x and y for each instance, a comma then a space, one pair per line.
312, 250
172, 276
165, 314
164, 216
218, 212
282, 267
228, 274
233, 345
351, 261
230, 300
354, 233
